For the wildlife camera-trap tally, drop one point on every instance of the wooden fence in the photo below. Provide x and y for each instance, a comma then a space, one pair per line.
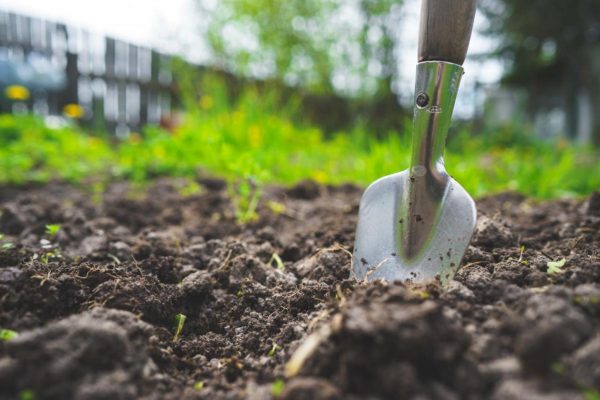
120, 86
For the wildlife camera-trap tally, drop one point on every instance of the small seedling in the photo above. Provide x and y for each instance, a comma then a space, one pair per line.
52, 230
274, 349
555, 266
278, 262
7, 334
591, 394
50, 255
180, 318
27, 394
245, 196
276, 207
114, 258
98, 189
277, 387
521, 251
190, 189
199, 385
7, 245
558, 368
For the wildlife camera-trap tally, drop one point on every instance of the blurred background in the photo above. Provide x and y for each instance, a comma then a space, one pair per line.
277, 91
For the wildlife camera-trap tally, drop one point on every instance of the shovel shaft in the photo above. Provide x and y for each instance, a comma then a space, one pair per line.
445, 30
435, 95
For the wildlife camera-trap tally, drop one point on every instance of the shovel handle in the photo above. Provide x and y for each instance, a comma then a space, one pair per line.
445, 30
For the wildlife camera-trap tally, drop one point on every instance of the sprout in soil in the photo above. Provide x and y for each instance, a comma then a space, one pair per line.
7, 245
555, 266
27, 394
521, 251
274, 349
7, 334
278, 262
52, 229
190, 188
199, 385
591, 394
180, 318
245, 196
277, 387
276, 207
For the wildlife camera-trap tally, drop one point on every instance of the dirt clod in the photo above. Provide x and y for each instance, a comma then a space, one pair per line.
593, 204
98, 353
310, 389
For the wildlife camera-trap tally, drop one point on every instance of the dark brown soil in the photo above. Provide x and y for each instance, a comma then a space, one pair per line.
95, 305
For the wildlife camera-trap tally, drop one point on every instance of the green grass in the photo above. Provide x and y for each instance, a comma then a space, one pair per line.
251, 144
33, 152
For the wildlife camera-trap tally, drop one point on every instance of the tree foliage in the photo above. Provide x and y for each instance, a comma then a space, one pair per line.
550, 46
544, 36
326, 46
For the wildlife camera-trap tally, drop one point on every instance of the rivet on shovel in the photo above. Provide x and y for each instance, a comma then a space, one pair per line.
416, 225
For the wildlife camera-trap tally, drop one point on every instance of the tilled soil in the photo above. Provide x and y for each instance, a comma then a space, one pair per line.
95, 304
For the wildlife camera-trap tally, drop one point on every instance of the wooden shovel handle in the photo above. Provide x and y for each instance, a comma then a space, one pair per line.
445, 30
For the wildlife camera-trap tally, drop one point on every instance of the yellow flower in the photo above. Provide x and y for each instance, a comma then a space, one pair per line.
206, 102
320, 176
159, 152
17, 92
74, 111
255, 136
276, 207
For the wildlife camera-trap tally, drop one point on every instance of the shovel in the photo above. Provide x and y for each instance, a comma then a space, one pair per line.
415, 225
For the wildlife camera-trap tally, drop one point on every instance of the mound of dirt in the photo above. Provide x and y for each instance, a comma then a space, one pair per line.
101, 353
95, 304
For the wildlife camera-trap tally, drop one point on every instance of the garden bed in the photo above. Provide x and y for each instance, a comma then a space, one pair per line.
93, 287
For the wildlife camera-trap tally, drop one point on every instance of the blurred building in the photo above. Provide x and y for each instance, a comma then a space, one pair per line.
55, 69
552, 111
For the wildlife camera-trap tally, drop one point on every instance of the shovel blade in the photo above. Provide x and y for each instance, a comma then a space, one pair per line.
379, 251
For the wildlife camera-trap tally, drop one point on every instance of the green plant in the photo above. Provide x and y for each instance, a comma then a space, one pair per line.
278, 262
190, 188
7, 334
180, 319
245, 196
555, 266
27, 394
251, 144
521, 251
277, 387
31, 151
591, 394
52, 229
274, 349
558, 368
199, 385
5, 245
50, 255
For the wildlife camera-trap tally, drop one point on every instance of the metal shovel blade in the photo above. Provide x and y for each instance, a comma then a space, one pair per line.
379, 251
416, 225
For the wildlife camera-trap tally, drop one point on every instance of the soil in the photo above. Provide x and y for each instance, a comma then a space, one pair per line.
95, 304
